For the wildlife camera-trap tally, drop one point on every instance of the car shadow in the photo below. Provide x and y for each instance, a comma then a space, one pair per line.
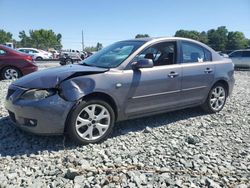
139, 124
14, 142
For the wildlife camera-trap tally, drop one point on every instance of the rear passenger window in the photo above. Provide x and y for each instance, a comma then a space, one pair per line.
246, 54
192, 53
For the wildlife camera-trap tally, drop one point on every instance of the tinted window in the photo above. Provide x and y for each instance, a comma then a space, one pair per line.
194, 53
23, 50
236, 54
33, 51
161, 54
2, 52
246, 54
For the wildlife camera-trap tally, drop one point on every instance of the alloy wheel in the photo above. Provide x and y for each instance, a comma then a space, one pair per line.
218, 98
92, 122
11, 74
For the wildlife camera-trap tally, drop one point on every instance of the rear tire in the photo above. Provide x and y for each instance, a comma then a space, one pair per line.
92, 121
68, 61
10, 73
39, 58
216, 99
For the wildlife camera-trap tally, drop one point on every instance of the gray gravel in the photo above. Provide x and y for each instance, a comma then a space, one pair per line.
187, 148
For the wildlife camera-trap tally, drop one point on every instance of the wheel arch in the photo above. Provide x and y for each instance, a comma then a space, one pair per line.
223, 82
95, 95
9, 66
103, 96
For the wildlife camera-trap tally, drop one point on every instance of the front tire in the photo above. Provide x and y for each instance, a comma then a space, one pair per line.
91, 121
216, 99
10, 73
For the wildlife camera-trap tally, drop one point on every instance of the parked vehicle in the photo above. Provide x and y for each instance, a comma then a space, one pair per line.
128, 79
69, 57
49, 54
55, 54
14, 64
9, 44
38, 54
241, 58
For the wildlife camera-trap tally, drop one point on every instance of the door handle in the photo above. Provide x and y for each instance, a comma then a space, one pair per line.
208, 70
173, 74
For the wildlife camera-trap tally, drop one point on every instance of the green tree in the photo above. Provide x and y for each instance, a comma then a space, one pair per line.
5, 36
42, 39
98, 47
25, 40
202, 37
142, 36
236, 40
217, 39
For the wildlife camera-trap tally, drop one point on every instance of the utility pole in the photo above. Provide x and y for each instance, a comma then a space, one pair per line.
82, 41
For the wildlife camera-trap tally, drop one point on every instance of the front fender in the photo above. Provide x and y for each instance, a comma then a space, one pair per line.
74, 89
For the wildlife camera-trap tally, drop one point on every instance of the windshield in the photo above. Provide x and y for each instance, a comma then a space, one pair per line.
113, 55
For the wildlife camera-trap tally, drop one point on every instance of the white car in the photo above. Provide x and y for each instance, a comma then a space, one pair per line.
37, 54
241, 58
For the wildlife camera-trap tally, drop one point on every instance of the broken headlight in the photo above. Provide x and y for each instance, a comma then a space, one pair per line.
37, 94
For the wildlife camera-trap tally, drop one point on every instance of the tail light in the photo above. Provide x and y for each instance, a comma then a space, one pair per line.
29, 59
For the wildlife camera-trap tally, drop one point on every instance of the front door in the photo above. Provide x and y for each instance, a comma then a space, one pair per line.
157, 88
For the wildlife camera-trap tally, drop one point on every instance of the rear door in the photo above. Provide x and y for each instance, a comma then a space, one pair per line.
197, 73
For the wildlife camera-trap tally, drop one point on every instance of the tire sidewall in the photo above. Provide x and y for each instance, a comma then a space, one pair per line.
71, 130
6, 68
68, 61
209, 97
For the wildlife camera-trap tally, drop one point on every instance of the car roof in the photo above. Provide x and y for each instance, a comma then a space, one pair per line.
158, 39
161, 38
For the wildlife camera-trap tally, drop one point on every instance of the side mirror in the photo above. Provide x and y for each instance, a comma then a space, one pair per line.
142, 63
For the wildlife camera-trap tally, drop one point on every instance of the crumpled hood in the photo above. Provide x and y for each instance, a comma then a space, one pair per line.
50, 78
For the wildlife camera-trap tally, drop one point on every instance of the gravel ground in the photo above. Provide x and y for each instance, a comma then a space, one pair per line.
187, 148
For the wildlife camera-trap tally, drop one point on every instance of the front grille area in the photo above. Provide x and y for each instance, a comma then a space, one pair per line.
12, 116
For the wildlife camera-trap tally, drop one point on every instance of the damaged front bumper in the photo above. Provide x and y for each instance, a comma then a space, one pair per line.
45, 116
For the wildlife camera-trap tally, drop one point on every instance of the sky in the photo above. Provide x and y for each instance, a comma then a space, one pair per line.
108, 21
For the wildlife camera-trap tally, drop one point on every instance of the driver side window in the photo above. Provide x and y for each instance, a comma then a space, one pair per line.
162, 54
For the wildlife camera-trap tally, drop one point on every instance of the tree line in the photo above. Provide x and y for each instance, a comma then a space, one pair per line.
219, 39
42, 39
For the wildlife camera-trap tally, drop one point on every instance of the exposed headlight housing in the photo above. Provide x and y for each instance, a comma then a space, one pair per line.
37, 94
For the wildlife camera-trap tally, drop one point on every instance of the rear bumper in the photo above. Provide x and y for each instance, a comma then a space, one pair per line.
29, 69
47, 116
